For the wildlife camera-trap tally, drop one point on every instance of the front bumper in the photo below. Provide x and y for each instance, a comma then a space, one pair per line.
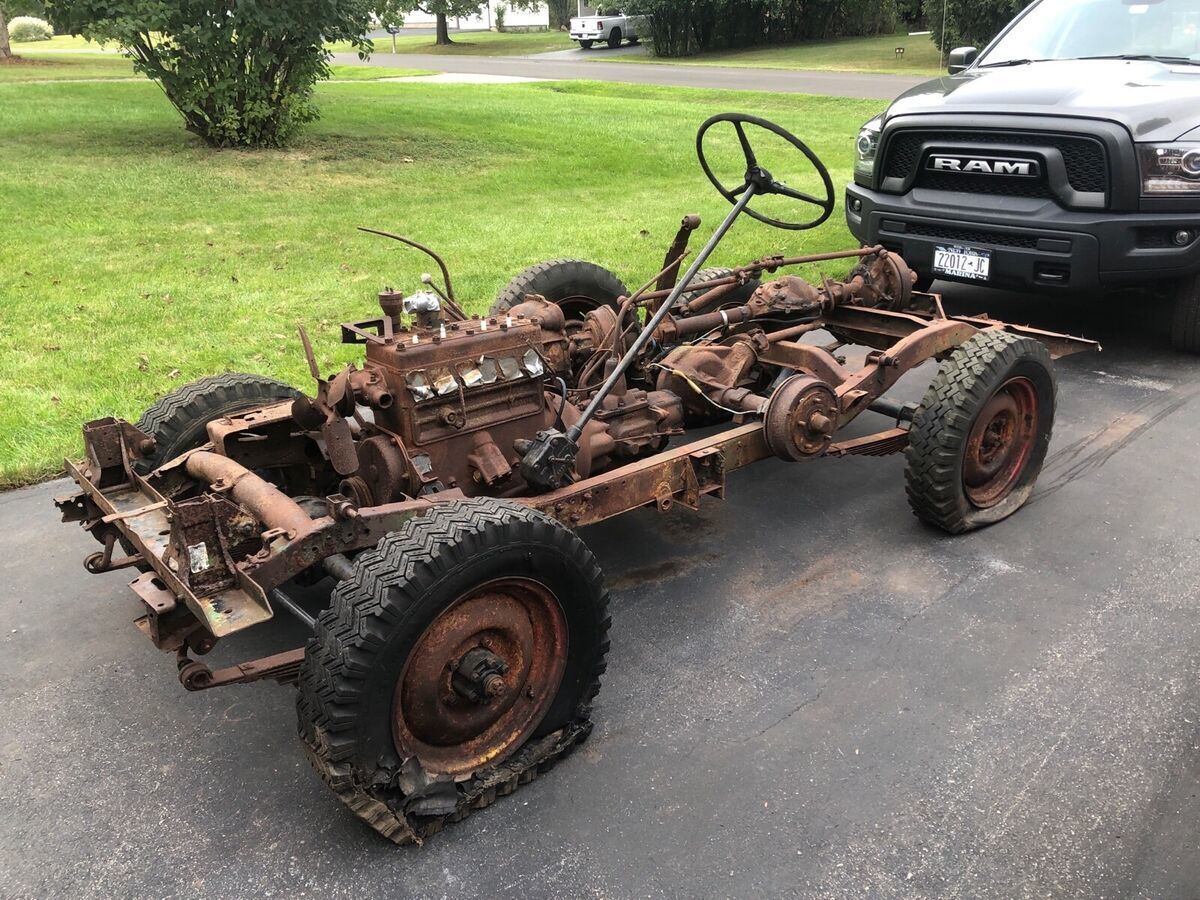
1034, 243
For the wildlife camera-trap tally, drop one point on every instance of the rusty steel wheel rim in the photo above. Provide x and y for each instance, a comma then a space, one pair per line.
481, 677
1000, 443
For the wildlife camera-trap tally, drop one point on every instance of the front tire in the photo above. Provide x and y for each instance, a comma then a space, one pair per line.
1185, 319
178, 421
980, 436
468, 634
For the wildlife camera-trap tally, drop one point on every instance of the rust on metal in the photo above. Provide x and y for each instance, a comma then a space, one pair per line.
282, 667
481, 677
445, 407
584, 407
999, 442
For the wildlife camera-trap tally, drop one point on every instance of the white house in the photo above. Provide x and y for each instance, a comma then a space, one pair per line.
487, 19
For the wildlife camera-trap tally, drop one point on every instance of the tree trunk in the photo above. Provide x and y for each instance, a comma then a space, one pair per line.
5, 47
443, 31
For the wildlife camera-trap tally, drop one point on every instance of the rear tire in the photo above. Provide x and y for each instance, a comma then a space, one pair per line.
178, 421
575, 285
1185, 319
586, 45
735, 297
377, 706
980, 436
614, 38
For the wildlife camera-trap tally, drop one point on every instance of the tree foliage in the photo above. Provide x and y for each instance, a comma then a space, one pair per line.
240, 72
683, 27
969, 23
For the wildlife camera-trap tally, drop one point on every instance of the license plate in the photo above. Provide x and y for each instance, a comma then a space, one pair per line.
963, 262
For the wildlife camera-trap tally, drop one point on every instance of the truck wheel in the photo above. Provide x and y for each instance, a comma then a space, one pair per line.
736, 297
1185, 323
586, 45
576, 286
461, 646
614, 38
178, 421
979, 438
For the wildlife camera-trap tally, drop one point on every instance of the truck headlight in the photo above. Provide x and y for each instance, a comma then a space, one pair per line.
865, 148
1170, 168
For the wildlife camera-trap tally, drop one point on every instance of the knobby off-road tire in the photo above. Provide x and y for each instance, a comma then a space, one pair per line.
980, 436
373, 645
1185, 318
575, 285
178, 421
735, 297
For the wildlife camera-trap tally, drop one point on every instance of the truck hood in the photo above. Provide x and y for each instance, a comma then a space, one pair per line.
1155, 101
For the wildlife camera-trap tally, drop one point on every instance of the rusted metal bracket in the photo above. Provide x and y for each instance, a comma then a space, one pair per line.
111, 444
682, 475
282, 667
674, 256
133, 513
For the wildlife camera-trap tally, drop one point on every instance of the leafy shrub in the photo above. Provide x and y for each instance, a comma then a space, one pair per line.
240, 73
23, 29
683, 27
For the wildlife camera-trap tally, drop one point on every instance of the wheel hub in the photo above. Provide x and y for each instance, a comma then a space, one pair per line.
481, 677
801, 418
1000, 443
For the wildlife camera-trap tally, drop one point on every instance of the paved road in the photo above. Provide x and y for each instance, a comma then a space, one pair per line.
808, 694
555, 66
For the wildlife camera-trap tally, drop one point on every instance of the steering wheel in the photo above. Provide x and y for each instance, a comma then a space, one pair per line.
762, 180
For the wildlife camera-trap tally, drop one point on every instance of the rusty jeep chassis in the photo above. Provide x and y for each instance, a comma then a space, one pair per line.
116, 501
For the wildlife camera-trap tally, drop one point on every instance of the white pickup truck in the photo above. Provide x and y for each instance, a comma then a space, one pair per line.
611, 29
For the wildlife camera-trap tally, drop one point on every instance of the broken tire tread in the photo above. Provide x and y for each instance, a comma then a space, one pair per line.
383, 593
942, 423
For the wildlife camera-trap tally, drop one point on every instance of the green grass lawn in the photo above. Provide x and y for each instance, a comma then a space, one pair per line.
474, 43
866, 54
36, 66
133, 259
58, 42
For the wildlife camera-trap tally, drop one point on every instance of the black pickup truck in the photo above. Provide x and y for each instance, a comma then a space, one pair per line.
1065, 156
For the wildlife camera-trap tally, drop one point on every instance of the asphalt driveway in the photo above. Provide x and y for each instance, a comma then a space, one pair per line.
809, 694
576, 64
